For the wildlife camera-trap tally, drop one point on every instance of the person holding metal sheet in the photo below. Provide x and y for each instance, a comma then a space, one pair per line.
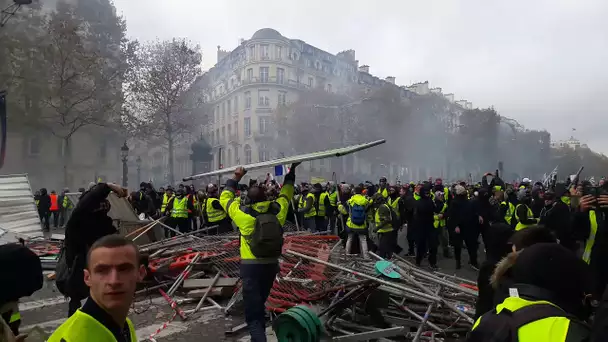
260, 224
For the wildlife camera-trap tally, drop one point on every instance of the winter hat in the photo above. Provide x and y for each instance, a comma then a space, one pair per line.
459, 190
552, 267
531, 236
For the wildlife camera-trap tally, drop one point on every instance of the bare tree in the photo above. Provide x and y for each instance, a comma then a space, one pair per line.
82, 87
160, 101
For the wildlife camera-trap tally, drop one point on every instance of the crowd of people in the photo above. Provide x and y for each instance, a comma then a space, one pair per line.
542, 245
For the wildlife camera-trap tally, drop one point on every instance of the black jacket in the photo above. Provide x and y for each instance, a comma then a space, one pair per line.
463, 213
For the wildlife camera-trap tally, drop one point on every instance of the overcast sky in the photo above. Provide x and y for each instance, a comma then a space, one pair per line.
542, 62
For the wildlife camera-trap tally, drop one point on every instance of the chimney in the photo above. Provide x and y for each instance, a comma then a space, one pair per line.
241, 41
364, 68
390, 79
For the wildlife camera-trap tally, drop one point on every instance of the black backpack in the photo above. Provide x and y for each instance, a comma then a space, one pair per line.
266, 241
21, 274
504, 326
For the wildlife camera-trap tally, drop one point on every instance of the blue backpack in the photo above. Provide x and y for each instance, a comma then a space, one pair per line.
357, 214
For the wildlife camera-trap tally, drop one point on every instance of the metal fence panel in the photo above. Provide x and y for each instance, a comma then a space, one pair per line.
18, 212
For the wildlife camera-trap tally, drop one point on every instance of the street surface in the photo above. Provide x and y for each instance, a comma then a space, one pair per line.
47, 309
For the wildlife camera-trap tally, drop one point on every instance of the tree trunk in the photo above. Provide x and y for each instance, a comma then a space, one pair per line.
65, 161
171, 161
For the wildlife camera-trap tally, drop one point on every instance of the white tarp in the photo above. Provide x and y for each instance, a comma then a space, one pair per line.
18, 213
338, 152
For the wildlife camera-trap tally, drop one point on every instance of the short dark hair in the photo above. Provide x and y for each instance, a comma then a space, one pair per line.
113, 241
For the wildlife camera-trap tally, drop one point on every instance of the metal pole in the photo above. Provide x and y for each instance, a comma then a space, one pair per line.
427, 314
362, 275
213, 282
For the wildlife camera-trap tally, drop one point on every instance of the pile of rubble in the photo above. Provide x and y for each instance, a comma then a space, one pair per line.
320, 293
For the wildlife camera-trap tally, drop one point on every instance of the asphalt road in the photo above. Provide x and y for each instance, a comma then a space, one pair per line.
44, 311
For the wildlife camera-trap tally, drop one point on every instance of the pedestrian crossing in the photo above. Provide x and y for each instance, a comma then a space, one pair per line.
143, 332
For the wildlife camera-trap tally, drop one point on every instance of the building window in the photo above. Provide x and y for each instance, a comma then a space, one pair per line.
247, 127
247, 151
223, 135
236, 156
229, 130
265, 51
247, 100
229, 159
308, 63
264, 74
236, 104
263, 123
279, 52
229, 106
249, 74
280, 76
217, 114
236, 130
310, 82
329, 87
217, 137
213, 138
263, 152
34, 146
263, 98
252, 52
282, 98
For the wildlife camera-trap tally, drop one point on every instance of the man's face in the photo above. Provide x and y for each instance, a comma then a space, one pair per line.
112, 276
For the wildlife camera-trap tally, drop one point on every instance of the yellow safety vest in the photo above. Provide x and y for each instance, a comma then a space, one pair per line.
388, 227
67, 204
520, 225
37, 203
214, 215
246, 222
165, 201
510, 211
333, 199
591, 239
321, 210
384, 193
550, 329
180, 208
302, 204
356, 199
15, 316
437, 221
395, 205
83, 327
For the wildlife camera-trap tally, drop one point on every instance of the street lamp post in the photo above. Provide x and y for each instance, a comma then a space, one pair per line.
124, 155
138, 163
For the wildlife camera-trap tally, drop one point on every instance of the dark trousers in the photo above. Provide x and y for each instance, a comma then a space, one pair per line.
470, 240
332, 224
427, 239
222, 227
180, 224
55, 218
321, 223
395, 239
386, 245
310, 224
44, 218
411, 239
257, 283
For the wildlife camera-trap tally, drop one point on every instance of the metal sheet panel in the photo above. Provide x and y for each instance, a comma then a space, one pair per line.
339, 152
18, 212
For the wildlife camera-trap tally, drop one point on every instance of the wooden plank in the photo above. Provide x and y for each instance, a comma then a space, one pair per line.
204, 283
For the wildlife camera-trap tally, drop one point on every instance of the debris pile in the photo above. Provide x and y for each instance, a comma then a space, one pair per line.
319, 290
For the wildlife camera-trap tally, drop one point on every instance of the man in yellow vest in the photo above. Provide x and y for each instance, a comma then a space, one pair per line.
112, 273
332, 210
384, 218
523, 214
546, 300
260, 224
178, 209
322, 202
307, 208
167, 196
214, 213
357, 208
